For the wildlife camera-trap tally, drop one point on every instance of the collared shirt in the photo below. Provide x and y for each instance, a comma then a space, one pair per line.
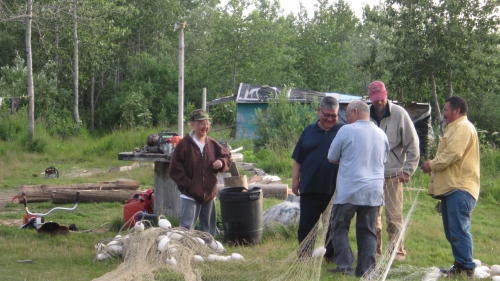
317, 174
374, 114
456, 165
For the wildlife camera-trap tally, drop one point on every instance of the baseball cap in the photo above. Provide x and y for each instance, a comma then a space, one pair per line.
377, 91
199, 114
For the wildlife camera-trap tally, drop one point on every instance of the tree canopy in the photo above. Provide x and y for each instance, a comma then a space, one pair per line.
127, 57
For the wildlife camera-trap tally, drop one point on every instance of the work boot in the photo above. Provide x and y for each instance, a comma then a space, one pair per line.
458, 269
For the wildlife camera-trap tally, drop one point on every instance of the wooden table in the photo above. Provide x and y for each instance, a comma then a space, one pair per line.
167, 200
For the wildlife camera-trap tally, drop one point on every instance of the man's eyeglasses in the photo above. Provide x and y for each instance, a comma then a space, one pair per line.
202, 123
347, 112
333, 116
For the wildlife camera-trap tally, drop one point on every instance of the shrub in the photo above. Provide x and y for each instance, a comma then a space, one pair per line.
135, 111
282, 122
11, 125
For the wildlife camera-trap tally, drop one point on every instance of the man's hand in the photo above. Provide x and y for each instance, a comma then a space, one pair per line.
295, 187
403, 177
426, 167
217, 164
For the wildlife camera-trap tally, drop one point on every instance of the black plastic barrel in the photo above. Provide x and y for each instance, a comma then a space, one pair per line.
241, 212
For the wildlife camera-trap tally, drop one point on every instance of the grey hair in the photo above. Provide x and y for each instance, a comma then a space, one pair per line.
329, 102
360, 105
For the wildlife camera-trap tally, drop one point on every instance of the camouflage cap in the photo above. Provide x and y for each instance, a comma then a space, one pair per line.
199, 114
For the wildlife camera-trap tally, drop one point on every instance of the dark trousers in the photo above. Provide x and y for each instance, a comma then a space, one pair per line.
312, 205
366, 236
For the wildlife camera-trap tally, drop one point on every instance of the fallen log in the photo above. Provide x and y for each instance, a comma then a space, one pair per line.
42, 193
63, 196
272, 190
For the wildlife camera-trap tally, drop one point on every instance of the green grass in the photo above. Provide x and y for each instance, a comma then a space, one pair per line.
71, 257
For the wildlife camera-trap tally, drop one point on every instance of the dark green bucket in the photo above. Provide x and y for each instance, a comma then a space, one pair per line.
241, 212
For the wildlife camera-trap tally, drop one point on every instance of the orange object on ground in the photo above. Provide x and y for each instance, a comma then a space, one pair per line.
139, 202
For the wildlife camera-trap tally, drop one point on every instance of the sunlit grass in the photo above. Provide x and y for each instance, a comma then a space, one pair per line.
88, 159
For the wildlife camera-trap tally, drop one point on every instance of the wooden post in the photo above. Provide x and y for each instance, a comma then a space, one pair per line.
180, 100
167, 196
204, 99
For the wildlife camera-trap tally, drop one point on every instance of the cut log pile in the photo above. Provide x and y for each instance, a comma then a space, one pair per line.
109, 191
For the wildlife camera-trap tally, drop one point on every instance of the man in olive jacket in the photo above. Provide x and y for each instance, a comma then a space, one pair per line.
401, 163
194, 166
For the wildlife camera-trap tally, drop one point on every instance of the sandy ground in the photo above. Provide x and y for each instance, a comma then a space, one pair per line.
5, 198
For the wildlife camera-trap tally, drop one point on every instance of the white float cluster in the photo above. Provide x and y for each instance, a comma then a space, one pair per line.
175, 245
483, 271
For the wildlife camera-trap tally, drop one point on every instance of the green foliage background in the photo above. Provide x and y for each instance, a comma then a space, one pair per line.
130, 50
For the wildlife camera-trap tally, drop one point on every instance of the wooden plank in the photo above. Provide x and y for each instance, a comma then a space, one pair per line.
143, 156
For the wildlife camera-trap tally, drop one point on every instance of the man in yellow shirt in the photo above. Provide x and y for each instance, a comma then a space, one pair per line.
455, 181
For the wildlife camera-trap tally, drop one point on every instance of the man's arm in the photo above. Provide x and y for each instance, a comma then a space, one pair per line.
296, 177
334, 151
411, 147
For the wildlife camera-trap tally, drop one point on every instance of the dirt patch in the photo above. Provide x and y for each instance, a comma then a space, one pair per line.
6, 196
84, 173
11, 222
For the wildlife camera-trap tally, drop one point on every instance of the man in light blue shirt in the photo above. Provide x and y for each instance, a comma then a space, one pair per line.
360, 149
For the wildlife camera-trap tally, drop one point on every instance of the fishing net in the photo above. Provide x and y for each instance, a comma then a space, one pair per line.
195, 255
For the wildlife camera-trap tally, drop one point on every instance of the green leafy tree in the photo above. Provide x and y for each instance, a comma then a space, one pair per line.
434, 44
135, 112
324, 48
281, 124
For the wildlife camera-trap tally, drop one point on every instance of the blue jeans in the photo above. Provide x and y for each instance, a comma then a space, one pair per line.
456, 211
192, 211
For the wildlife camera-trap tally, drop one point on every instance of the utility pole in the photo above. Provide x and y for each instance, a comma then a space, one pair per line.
204, 99
180, 100
29, 67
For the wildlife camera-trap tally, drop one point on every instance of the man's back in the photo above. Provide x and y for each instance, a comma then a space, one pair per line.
362, 148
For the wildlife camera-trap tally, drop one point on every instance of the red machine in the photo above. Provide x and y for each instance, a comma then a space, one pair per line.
139, 202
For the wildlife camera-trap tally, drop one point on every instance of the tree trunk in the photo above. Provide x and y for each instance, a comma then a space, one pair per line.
76, 115
115, 85
29, 66
440, 119
92, 84
450, 83
56, 58
434, 95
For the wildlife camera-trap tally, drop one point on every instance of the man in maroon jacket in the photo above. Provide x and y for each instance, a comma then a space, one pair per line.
194, 166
